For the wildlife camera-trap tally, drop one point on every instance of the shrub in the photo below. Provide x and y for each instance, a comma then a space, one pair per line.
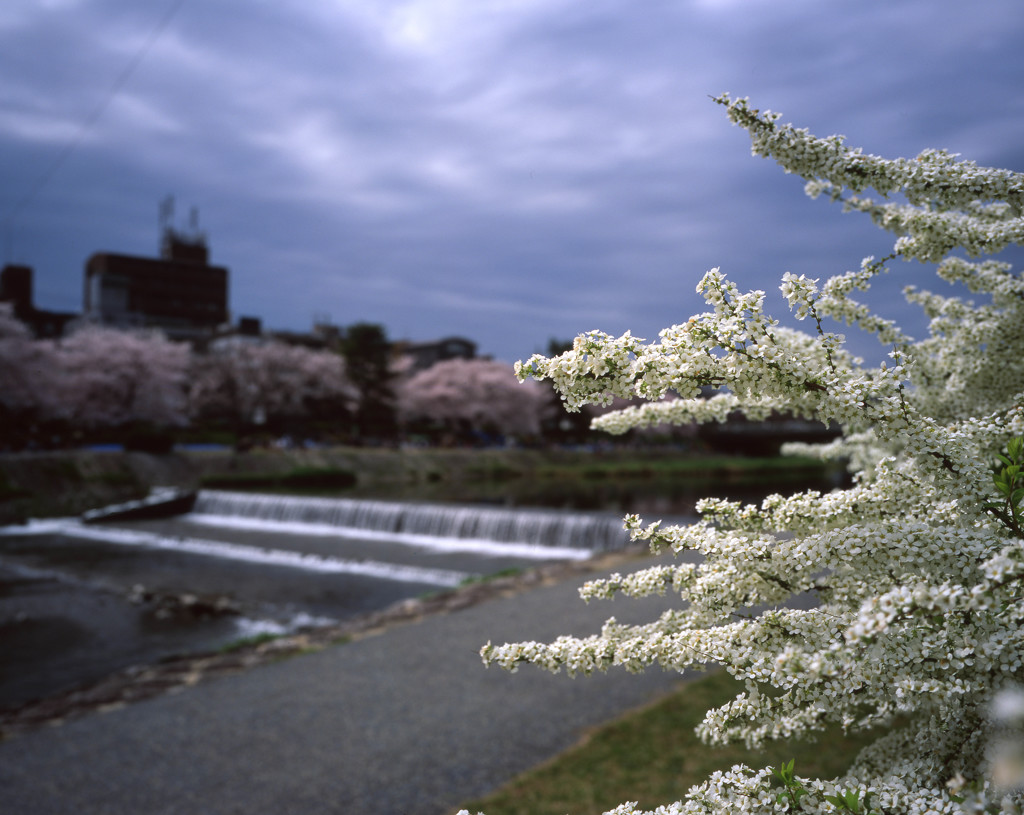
915, 570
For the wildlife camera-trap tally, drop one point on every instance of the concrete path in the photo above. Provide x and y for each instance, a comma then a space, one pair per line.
407, 722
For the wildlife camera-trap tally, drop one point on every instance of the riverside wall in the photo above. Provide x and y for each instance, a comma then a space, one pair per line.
47, 484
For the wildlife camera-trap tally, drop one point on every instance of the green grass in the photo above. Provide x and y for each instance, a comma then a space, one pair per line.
654, 757
729, 468
9, 492
247, 642
473, 580
512, 571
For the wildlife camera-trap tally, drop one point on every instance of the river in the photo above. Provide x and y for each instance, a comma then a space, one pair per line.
80, 601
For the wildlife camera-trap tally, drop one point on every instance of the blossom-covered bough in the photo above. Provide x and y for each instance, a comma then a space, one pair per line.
917, 569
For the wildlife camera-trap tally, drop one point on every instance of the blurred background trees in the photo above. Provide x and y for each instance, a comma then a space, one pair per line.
367, 353
271, 389
116, 379
472, 401
28, 382
142, 391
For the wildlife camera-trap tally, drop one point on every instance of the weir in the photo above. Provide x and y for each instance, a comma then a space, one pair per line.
537, 527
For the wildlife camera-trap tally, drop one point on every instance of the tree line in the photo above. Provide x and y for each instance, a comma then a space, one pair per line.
145, 391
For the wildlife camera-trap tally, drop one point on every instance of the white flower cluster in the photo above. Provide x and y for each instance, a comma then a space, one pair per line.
918, 586
951, 203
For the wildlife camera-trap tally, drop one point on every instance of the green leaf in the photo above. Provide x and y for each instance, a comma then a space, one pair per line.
851, 801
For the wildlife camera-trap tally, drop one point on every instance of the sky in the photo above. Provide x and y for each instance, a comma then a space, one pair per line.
509, 171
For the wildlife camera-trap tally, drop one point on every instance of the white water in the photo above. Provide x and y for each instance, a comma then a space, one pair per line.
526, 533
487, 531
474, 546
71, 527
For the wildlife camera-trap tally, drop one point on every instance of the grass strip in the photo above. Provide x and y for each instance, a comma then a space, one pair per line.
698, 468
299, 480
654, 757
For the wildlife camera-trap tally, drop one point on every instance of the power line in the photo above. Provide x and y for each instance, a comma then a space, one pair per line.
89, 121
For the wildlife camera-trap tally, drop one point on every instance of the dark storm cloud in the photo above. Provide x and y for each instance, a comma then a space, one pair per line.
509, 171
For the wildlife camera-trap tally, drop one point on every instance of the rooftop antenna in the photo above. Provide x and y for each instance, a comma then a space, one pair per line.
193, 221
165, 219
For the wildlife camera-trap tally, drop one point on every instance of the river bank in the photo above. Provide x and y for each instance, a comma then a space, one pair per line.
48, 484
102, 599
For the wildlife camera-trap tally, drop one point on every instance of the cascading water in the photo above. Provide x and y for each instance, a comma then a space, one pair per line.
552, 528
282, 561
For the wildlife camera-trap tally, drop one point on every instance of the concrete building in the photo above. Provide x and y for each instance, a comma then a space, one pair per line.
425, 354
16, 289
179, 292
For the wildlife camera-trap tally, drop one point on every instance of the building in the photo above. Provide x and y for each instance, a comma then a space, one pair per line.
425, 354
16, 289
180, 292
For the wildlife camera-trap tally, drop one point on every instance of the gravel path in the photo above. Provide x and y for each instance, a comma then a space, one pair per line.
407, 722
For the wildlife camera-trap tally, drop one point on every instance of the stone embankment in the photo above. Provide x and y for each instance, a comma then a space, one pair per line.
70, 482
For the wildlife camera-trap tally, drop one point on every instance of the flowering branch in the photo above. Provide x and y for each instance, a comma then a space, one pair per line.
917, 570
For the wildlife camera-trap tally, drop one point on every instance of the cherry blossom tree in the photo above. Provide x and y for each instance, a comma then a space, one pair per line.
28, 381
916, 571
111, 378
472, 395
269, 384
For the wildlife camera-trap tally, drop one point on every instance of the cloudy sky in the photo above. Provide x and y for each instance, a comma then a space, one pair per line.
505, 170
